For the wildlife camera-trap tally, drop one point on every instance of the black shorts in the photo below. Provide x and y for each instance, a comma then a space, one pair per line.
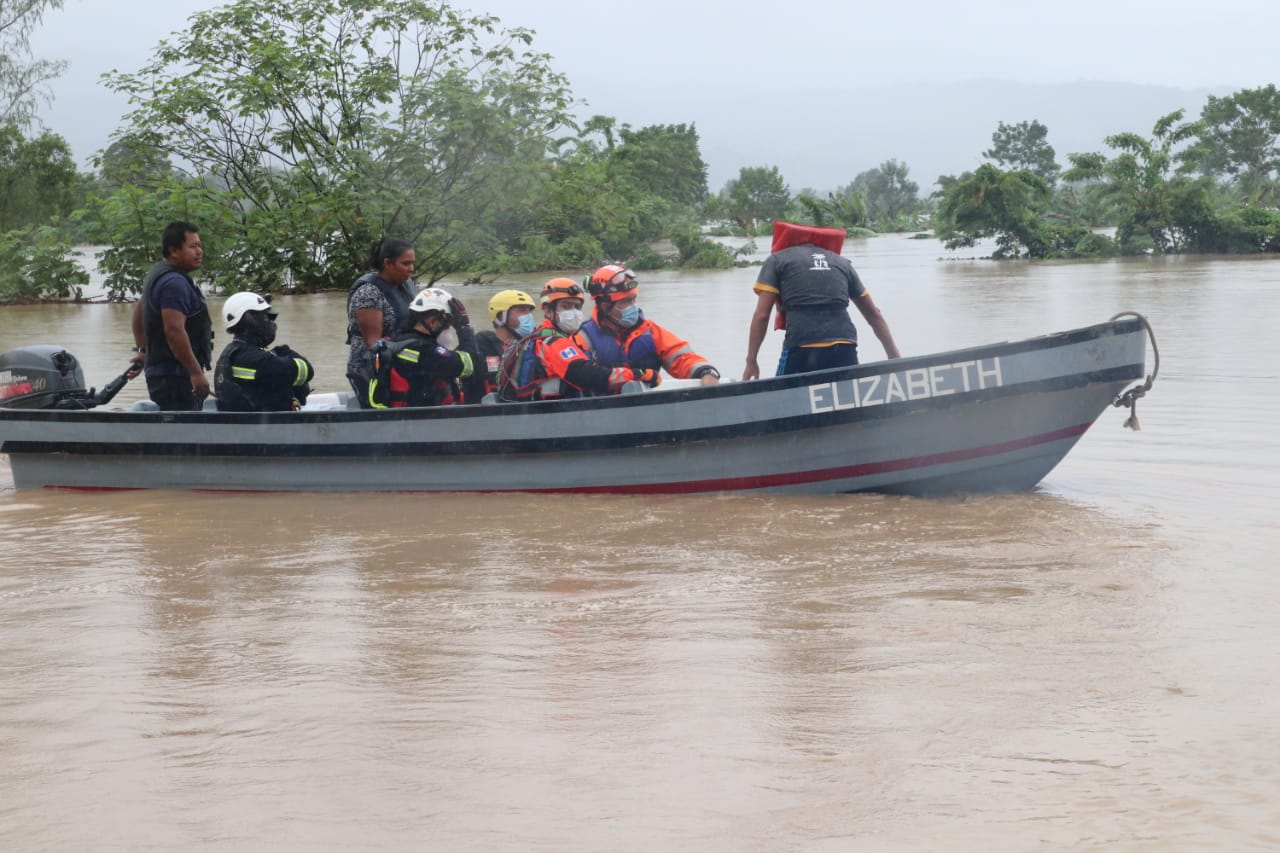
173, 393
809, 359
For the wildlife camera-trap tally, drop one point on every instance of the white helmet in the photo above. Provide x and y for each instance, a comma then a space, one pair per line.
431, 299
237, 304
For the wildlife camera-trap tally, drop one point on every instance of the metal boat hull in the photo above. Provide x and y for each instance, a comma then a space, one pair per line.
989, 418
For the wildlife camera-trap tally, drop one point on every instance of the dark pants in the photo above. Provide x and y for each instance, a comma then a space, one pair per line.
361, 389
809, 359
173, 393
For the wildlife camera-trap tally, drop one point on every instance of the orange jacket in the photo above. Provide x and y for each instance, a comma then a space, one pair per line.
644, 345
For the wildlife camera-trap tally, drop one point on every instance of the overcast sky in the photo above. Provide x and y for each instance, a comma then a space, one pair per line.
675, 61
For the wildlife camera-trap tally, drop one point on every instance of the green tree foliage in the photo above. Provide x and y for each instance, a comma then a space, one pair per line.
128, 161
1245, 230
757, 196
890, 195
22, 76
1023, 147
605, 195
845, 208
1156, 209
698, 252
662, 160
310, 128
36, 264
37, 178
988, 202
1238, 135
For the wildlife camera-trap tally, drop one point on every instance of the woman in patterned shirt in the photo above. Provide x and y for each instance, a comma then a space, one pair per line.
378, 307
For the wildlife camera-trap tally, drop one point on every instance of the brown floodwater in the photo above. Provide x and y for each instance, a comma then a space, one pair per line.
1094, 664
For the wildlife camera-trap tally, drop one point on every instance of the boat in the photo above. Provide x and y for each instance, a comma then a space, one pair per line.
996, 417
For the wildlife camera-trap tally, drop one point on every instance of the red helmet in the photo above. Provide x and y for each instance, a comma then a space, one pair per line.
611, 283
560, 288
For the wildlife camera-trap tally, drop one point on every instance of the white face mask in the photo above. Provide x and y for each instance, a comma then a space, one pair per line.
569, 320
448, 339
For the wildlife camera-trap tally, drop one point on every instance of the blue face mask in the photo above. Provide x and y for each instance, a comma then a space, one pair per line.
629, 316
525, 326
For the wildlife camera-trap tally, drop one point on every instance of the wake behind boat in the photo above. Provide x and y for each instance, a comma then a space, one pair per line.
989, 418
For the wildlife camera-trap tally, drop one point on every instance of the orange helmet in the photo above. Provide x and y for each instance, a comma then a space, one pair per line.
560, 288
611, 283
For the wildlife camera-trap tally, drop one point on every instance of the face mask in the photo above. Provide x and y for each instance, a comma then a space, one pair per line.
629, 316
448, 339
258, 329
525, 326
569, 320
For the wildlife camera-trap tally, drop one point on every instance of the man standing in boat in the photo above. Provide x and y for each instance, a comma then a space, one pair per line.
811, 285
172, 330
249, 378
619, 335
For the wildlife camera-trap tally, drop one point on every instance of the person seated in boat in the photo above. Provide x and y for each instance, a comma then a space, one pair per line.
378, 307
551, 362
425, 365
811, 285
248, 377
511, 312
619, 335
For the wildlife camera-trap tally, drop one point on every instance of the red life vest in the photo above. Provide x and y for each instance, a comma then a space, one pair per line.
788, 234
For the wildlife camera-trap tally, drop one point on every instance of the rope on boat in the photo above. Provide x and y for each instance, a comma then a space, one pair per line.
1131, 396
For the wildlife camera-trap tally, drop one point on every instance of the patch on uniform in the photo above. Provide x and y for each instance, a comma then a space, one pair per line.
492, 362
569, 352
441, 351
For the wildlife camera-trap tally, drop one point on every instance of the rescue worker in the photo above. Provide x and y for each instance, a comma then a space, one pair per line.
423, 366
247, 377
511, 312
618, 334
551, 363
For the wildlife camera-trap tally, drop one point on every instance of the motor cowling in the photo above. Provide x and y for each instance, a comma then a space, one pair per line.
39, 377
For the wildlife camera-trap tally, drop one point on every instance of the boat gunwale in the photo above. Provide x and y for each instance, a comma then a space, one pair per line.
659, 397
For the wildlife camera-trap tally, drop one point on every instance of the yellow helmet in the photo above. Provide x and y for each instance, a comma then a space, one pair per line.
504, 301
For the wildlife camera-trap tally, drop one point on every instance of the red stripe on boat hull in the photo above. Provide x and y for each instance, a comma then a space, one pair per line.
727, 484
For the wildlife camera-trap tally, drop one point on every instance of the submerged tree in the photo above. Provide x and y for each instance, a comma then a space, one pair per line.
988, 202
1156, 208
1023, 147
1239, 135
888, 193
311, 128
757, 195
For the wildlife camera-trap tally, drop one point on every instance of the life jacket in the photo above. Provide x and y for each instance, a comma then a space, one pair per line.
523, 376
254, 395
399, 297
199, 326
490, 348
639, 350
788, 234
391, 388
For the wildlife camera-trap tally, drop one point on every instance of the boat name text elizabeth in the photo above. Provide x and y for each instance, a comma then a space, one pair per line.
922, 383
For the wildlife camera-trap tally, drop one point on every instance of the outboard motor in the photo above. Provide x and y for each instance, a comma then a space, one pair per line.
48, 377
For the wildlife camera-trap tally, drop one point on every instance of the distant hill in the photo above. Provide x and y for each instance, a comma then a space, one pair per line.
822, 138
